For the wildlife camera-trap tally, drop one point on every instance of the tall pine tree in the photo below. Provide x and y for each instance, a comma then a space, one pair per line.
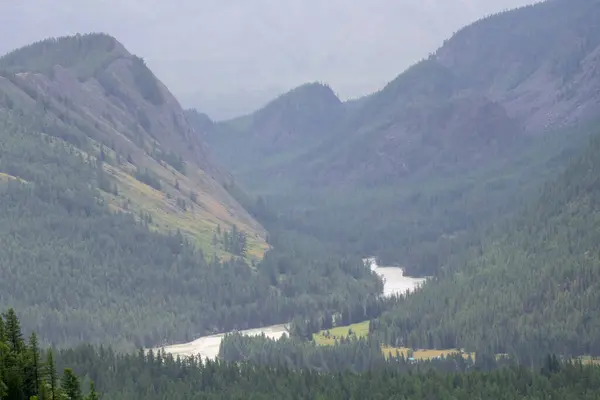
51, 376
70, 385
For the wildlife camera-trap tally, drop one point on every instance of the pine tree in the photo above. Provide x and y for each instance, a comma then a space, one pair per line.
32, 368
93, 395
51, 376
13, 332
3, 353
3, 388
70, 385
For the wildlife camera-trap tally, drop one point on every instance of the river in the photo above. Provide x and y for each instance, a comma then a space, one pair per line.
208, 346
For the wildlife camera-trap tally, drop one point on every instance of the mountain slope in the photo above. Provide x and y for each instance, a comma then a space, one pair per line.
106, 102
115, 226
542, 75
532, 288
409, 172
543, 68
292, 124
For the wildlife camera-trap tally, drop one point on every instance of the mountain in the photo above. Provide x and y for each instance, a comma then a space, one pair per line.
199, 121
257, 50
116, 225
479, 85
292, 123
456, 140
531, 288
543, 70
112, 102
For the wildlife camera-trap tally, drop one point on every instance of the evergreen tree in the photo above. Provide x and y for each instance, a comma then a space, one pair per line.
51, 376
13, 332
32, 372
70, 385
93, 395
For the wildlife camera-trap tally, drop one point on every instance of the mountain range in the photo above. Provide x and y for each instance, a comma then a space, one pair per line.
441, 149
126, 219
127, 222
230, 58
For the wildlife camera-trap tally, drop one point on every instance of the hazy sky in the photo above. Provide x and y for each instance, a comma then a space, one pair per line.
228, 56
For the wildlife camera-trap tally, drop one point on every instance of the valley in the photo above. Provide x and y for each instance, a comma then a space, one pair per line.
208, 346
112, 199
235, 250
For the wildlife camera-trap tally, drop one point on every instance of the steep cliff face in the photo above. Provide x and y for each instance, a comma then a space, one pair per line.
106, 103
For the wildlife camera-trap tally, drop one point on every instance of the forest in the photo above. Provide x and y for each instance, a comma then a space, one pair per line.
504, 224
78, 272
28, 372
530, 288
158, 376
484, 300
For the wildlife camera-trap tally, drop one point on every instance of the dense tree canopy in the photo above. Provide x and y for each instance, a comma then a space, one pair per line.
27, 372
530, 288
78, 272
159, 376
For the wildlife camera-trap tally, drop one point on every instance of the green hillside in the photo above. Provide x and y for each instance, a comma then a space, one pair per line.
530, 289
105, 102
117, 227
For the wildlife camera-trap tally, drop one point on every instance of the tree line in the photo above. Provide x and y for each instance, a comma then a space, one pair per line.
156, 376
29, 373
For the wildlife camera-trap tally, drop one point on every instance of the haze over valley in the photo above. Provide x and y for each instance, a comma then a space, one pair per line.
435, 237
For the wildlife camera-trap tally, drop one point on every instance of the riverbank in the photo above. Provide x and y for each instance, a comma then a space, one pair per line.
208, 346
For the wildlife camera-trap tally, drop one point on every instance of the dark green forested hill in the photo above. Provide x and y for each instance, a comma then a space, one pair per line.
531, 288
109, 234
410, 172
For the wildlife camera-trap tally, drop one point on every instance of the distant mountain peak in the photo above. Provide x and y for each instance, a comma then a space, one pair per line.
93, 50
313, 88
308, 94
308, 110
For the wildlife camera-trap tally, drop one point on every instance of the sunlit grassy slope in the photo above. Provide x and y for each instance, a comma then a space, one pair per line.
200, 220
194, 221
